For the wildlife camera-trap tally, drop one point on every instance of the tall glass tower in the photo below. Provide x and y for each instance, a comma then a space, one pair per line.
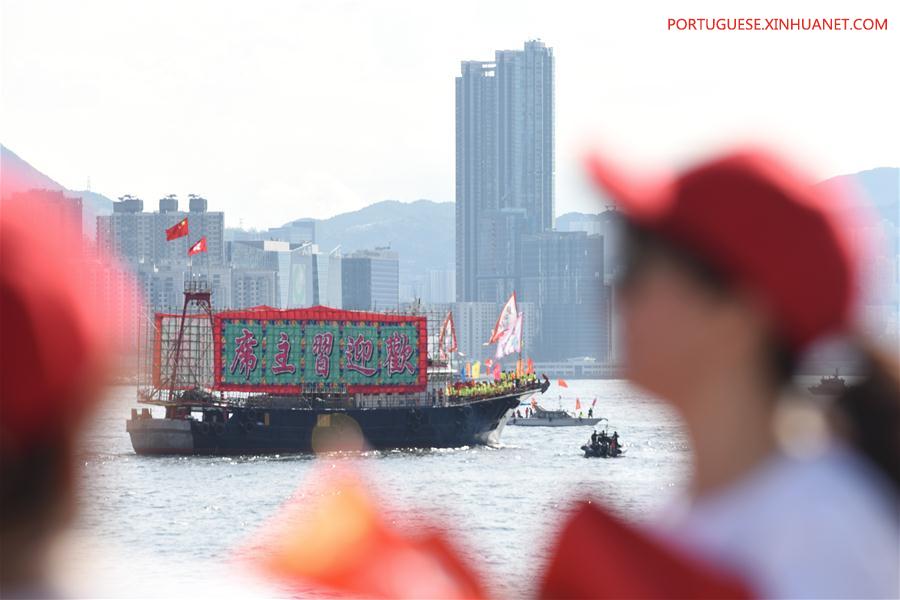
505, 166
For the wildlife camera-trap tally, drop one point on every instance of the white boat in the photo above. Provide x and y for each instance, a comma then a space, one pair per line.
542, 417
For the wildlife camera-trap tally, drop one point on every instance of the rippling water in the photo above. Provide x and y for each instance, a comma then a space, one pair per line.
183, 516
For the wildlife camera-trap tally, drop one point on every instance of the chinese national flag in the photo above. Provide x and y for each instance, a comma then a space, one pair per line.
577, 403
199, 247
562, 383
179, 229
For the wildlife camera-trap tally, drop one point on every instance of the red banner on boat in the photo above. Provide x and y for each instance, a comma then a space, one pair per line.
319, 349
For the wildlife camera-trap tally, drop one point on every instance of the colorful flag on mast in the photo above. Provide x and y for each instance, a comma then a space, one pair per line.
198, 247
577, 403
529, 367
179, 229
594, 403
506, 320
511, 340
562, 383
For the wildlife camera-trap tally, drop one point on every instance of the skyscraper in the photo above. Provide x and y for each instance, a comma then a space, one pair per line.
504, 166
370, 280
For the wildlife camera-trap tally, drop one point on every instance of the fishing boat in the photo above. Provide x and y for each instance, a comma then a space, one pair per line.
263, 380
829, 386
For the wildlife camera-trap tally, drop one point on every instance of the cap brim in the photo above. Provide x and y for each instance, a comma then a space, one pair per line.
642, 198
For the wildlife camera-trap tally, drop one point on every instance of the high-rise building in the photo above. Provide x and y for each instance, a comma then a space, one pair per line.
253, 287
504, 166
139, 237
162, 286
440, 286
303, 276
370, 280
562, 272
315, 277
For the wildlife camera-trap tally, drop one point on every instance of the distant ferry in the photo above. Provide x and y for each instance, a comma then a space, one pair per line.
829, 386
263, 380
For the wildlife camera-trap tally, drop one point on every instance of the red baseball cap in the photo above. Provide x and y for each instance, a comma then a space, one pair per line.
59, 325
759, 222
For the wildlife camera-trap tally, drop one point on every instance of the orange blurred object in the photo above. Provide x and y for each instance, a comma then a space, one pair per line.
562, 383
337, 538
627, 563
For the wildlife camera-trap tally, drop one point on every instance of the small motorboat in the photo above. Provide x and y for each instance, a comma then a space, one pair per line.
603, 445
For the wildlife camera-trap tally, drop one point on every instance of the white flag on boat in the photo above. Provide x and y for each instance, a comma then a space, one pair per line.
447, 337
510, 341
506, 320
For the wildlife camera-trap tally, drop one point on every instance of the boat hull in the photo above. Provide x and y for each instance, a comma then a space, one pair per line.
537, 422
286, 430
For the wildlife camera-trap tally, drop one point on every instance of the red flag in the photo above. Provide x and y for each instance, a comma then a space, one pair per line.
199, 247
562, 383
640, 567
339, 542
577, 404
496, 371
594, 403
529, 367
179, 229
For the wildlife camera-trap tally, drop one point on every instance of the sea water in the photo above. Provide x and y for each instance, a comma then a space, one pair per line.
168, 525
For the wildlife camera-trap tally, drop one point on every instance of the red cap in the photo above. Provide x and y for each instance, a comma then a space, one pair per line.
57, 323
759, 222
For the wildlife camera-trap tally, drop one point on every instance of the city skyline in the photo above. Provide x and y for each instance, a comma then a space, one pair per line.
270, 112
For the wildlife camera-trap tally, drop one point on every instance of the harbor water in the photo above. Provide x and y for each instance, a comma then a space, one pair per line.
162, 522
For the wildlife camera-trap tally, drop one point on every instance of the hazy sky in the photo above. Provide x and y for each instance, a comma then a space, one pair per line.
279, 110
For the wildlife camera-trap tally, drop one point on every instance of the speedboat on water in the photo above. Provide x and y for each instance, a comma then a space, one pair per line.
541, 417
603, 445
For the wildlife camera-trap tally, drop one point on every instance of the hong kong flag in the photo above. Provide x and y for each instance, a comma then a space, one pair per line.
198, 247
179, 229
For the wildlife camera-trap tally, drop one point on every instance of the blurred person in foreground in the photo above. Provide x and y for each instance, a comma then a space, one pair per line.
734, 269
56, 352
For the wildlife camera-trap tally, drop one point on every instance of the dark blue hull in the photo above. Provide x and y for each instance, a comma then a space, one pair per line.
285, 430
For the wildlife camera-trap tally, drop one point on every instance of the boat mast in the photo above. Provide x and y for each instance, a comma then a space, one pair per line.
197, 296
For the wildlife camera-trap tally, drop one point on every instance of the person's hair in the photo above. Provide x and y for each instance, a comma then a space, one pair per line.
868, 411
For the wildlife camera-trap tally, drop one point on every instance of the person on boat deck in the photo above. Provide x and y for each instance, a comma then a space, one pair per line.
590, 413
594, 438
734, 270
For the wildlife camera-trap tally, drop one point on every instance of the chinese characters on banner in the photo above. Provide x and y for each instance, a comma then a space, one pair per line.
279, 351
